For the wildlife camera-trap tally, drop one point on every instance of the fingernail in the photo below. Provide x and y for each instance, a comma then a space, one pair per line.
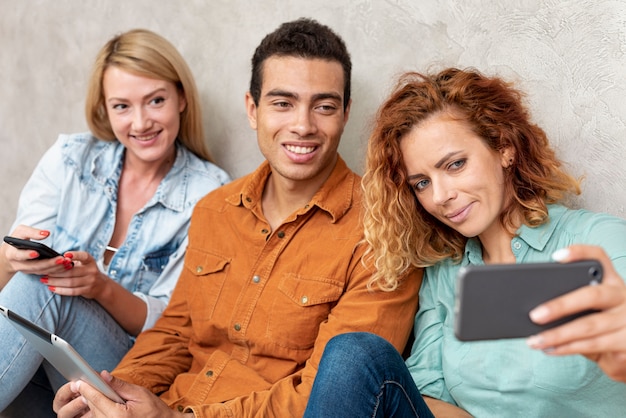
560, 255
52, 288
68, 266
60, 261
538, 313
534, 341
68, 255
44, 233
75, 386
44, 280
33, 254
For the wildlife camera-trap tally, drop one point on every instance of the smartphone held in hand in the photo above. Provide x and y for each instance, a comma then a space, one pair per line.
24, 244
493, 301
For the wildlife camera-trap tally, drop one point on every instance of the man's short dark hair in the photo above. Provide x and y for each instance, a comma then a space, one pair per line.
303, 38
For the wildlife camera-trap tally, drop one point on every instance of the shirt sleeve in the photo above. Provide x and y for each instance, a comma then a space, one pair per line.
161, 352
157, 298
425, 361
39, 200
608, 232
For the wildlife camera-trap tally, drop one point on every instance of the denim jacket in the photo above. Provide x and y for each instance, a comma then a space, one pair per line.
73, 194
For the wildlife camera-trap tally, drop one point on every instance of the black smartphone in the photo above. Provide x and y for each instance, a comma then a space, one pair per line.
24, 244
493, 301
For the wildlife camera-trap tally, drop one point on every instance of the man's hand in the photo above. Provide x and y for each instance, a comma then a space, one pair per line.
600, 336
79, 399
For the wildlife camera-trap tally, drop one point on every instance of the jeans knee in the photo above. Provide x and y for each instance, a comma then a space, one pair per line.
357, 348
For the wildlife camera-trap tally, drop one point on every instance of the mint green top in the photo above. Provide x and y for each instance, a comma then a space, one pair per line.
505, 378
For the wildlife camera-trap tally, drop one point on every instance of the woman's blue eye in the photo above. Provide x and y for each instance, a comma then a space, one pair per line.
457, 164
421, 185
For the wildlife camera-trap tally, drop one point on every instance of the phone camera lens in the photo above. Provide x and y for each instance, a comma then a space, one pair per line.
594, 272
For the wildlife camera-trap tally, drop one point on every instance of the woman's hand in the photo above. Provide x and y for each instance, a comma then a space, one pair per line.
13, 260
84, 279
599, 336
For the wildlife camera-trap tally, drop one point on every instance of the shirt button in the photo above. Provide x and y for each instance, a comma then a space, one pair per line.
256, 279
281, 234
248, 200
264, 231
199, 269
517, 245
237, 327
180, 408
209, 373
304, 300
306, 206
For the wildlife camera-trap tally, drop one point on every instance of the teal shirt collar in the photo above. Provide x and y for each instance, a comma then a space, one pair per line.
535, 237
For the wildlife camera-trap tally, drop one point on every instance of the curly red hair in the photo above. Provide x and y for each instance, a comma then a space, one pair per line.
400, 233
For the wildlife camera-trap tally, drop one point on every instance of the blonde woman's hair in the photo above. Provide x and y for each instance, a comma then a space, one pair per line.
147, 54
401, 234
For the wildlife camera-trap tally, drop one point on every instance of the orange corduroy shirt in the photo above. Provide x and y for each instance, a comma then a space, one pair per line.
253, 309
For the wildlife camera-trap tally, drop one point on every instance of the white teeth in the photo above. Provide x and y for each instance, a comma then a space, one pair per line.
299, 150
145, 138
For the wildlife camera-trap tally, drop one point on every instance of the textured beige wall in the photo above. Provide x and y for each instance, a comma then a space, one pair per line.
568, 55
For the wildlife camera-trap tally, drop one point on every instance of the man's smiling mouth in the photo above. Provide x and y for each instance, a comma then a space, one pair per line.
299, 149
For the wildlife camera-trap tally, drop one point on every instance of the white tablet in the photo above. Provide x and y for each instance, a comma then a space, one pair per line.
60, 354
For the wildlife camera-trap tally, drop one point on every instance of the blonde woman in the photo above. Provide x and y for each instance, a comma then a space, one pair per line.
116, 202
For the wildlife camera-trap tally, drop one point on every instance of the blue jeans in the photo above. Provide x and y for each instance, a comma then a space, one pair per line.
81, 322
362, 375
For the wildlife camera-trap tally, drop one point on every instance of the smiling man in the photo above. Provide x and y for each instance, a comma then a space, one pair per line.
274, 266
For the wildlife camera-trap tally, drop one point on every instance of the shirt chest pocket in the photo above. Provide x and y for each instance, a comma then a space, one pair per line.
152, 266
300, 306
209, 273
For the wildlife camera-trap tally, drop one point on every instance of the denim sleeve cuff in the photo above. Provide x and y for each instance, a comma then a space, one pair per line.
154, 307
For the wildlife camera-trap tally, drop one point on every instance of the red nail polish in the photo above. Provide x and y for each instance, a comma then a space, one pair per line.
33, 254
52, 288
60, 261
44, 233
44, 280
68, 255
